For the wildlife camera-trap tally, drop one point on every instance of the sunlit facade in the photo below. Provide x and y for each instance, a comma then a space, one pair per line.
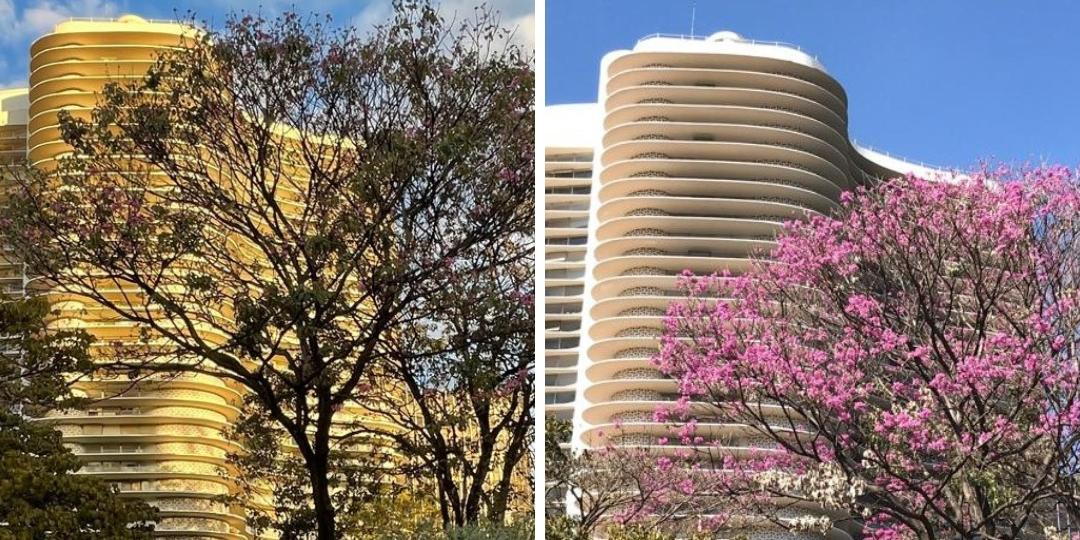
699, 148
162, 439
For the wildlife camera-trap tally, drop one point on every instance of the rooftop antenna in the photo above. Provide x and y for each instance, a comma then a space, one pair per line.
693, 15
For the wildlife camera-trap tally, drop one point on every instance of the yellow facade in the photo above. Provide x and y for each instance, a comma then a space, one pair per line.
163, 439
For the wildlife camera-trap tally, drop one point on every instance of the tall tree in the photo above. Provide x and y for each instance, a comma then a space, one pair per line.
40, 494
280, 201
467, 393
913, 359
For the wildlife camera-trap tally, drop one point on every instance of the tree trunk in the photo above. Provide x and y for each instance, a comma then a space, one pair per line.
320, 493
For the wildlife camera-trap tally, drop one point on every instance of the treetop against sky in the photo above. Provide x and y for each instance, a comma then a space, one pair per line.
23, 21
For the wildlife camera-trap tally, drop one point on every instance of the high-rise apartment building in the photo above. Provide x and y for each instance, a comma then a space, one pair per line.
698, 149
162, 438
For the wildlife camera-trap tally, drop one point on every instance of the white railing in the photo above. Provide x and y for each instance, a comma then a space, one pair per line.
117, 19
696, 37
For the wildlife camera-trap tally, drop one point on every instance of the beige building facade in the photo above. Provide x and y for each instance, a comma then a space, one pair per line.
696, 152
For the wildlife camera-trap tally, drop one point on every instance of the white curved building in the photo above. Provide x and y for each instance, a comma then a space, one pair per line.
700, 148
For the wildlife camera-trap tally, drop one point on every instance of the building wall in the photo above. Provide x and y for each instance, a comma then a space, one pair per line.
13, 109
573, 131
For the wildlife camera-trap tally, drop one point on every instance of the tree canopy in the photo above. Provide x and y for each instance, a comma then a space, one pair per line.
912, 361
40, 496
281, 202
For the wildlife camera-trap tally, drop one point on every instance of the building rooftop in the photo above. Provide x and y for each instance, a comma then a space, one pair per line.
727, 42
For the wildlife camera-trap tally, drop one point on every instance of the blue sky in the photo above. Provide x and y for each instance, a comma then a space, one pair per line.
23, 21
945, 82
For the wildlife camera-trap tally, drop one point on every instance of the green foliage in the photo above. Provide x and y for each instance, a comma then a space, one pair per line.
40, 496
562, 527
521, 529
638, 531
484, 530
654, 531
557, 460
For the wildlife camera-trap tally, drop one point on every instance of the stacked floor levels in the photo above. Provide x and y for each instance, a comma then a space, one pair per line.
702, 148
160, 441
164, 440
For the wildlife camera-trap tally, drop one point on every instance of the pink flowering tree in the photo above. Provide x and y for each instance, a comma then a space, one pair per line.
626, 492
912, 360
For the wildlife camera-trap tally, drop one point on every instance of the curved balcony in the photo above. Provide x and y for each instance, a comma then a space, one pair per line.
195, 453
59, 42
727, 151
639, 422
750, 232
683, 245
198, 445
203, 525
669, 265
609, 348
638, 389
735, 78
630, 358
622, 306
768, 135
40, 93
76, 68
673, 209
768, 171
659, 189
602, 412
773, 116
104, 394
89, 54
107, 469
625, 326
637, 286
199, 382
718, 95
789, 62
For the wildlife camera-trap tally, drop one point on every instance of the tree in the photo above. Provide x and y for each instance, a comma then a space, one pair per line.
40, 494
622, 492
464, 407
913, 358
278, 202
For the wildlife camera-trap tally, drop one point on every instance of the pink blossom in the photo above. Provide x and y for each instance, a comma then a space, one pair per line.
912, 335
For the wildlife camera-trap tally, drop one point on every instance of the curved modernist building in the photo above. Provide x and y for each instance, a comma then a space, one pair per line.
704, 147
165, 439
160, 440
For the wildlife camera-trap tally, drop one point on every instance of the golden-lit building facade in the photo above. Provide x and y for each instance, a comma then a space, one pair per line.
159, 440
13, 109
162, 439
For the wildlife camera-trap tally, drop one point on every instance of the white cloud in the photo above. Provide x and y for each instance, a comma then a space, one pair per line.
514, 14
41, 16
524, 29
373, 13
